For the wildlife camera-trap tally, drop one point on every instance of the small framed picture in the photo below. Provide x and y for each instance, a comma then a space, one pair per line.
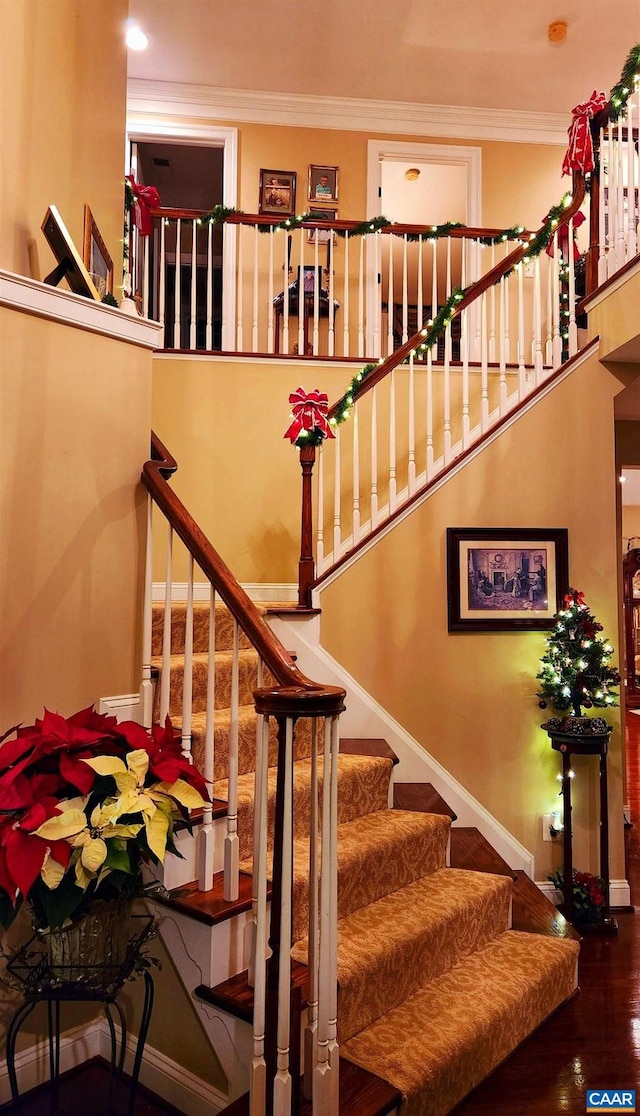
505, 579
96, 258
309, 277
323, 183
277, 192
70, 264
322, 235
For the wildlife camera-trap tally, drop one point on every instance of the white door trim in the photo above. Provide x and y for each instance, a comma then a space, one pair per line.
399, 151
146, 125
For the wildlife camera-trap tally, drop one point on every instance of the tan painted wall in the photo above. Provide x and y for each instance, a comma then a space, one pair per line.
469, 699
74, 431
62, 90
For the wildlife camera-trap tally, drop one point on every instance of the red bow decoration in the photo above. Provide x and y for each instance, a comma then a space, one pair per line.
146, 198
579, 154
563, 237
574, 597
309, 413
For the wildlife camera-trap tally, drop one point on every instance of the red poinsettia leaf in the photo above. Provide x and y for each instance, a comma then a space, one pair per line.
135, 735
44, 785
75, 771
61, 851
6, 883
14, 750
25, 855
40, 812
16, 793
53, 726
14, 728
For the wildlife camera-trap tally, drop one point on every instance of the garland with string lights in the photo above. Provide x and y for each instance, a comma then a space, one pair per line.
628, 84
575, 671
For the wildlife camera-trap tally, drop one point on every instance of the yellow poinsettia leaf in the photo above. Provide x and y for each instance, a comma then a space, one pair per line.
63, 826
94, 854
127, 803
106, 765
52, 872
124, 831
138, 762
183, 793
157, 828
83, 878
126, 782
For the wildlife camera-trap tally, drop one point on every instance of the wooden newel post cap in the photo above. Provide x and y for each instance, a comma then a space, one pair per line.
299, 701
307, 454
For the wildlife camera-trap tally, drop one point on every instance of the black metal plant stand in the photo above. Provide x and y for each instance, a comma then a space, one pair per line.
30, 970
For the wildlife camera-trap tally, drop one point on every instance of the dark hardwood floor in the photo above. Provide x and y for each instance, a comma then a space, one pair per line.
591, 1042
84, 1092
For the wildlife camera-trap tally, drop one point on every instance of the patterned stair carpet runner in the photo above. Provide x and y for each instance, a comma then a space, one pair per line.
435, 989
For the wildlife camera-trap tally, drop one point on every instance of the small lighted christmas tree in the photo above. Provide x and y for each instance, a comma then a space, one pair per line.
575, 672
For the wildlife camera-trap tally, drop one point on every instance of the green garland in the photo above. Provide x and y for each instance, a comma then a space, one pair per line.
627, 84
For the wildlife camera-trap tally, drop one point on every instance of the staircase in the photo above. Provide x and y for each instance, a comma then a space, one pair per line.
436, 987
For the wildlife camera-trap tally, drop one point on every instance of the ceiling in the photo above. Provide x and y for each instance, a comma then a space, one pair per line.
481, 53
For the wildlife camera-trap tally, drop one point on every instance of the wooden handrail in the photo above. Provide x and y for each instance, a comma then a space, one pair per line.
267, 220
474, 291
276, 659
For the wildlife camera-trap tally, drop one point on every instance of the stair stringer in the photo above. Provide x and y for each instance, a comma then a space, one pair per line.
365, 717
204, 954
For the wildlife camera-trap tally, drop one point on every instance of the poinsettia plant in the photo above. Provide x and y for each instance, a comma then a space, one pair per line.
85, 801
588, 895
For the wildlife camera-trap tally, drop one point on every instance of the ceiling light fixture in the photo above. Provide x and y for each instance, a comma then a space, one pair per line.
135, 36
557, 31
411, 174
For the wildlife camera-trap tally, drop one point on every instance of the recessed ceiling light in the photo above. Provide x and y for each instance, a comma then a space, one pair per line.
135, 37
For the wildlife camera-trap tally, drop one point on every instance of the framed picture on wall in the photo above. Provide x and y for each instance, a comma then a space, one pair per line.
323, 183
96, 258
70, 263
277, 193
502, 579
322, 236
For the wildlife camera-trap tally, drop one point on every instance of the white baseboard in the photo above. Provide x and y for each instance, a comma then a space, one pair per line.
619, 892
261, 592
176, 1085
124, 707
366, 717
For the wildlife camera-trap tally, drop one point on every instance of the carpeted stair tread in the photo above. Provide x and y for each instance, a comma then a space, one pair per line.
377, 853
441, 1042
389, 949
363, 787
247, 680
223, 620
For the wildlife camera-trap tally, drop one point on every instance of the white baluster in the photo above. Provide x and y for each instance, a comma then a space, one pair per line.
405, 292
484, 365
612, 262
255, 340
259, 822
392, 441
282, 1081
320, 506
604, 197
240, 293
390, 240
522, 372
557, 302
336, 498
316, 298
187, 684
356, 478
209, 325
231, 844
361, 300
324, 1085
301, 297
504, 346
145, 279
448, 293
374, 456
573, 328
537, 321
270, 309
176, 292
446, 402
194, 262
492, 316
548, 349
506, 290
621, 254
411, 470
466, 416
632, 242
332, 308
146, 686
430, 413
162, 290
258, 1078
165, 673
434, 283
207, 832
420, 295
345, 298
313, 961
285, 308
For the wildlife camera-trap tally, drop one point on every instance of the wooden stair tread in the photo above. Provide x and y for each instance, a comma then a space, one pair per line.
422, 797
235, 995
210, 907
361, 1094
535, 913
364, 746
469, 849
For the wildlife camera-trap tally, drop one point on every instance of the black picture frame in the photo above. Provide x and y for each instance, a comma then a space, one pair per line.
277, 195
96, 256
309, 276
70, 264
505, 579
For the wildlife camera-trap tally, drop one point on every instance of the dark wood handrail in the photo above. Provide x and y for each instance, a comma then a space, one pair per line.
277, 660
267, 220
474, 291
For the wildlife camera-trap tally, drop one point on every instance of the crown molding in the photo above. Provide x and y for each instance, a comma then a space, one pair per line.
179, 99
